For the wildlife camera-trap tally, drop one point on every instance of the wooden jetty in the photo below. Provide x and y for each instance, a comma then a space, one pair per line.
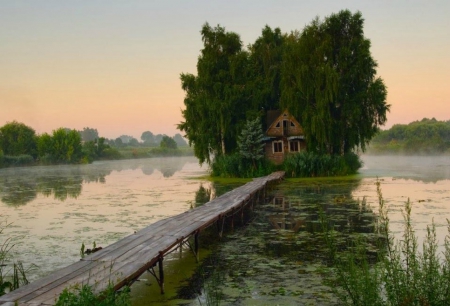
121, 263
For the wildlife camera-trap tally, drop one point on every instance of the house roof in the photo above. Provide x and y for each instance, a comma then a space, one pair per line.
272, 115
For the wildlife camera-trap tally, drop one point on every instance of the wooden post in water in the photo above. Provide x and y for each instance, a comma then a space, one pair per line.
232, 220
161, 272
196, 245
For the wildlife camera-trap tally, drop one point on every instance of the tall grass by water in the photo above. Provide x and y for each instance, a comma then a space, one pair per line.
402, 274
308, 164
12, 274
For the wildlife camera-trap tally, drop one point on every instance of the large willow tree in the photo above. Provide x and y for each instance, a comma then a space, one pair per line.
265, 71
329, 83
215, 99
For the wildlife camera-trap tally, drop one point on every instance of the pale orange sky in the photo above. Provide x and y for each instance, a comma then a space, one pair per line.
115, 65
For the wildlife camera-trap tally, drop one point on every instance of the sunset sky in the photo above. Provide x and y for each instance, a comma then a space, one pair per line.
115, 65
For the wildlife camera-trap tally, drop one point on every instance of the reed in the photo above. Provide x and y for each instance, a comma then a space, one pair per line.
12, 274
402, 275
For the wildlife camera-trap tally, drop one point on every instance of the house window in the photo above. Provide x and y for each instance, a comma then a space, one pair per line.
278, 146
278, 124
292, 124
294, 146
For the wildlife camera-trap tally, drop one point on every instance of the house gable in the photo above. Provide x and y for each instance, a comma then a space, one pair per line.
284, 125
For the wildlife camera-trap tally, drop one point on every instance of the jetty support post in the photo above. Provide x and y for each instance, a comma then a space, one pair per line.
196, 245
161, 272
160, 278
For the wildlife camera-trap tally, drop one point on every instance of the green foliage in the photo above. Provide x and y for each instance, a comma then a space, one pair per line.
325, 76
9, 281
402, 275
168, 142
265, 61
98, 149
329, 83
17, 139
16, 161
215, 101
250, 142
64, 146
428, 136
234, 165
309, 164
85, 296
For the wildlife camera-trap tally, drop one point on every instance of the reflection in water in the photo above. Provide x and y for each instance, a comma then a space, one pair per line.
202, 196
295, 211
279, 257
102, 202
22, 185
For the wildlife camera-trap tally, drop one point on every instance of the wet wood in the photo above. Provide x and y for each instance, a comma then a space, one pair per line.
124, 261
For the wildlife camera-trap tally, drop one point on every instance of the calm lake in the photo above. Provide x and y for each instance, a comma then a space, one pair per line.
274, 259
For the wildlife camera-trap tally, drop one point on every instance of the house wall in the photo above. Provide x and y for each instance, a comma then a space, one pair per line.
278, 157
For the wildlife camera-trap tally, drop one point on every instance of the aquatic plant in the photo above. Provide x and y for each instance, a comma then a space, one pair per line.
83, 295
9, 281
403, 275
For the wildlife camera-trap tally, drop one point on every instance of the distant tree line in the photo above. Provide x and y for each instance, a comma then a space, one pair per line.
20, 145
148, 140
427, 136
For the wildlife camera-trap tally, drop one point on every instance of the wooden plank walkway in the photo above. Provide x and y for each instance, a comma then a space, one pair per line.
124, 261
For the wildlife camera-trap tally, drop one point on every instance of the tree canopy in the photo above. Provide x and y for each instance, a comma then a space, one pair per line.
168, 142
427, 136
324, 75
329, 83
17, 138
215, 103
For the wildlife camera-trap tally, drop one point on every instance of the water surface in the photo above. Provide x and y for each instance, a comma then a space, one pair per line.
276, 258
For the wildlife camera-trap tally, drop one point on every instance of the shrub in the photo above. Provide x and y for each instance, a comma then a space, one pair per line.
234, 165
14, 161
84, 296
308, 164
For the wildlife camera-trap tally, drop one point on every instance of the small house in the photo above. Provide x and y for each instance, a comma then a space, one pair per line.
284, 135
